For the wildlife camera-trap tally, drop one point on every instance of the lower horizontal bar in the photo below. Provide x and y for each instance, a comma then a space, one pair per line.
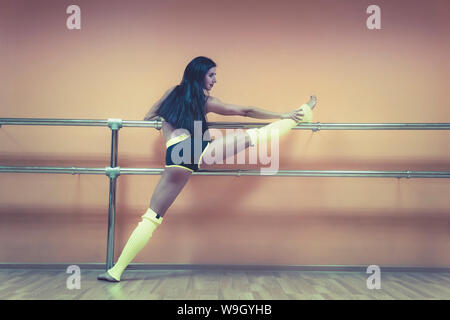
234, 172
58, 170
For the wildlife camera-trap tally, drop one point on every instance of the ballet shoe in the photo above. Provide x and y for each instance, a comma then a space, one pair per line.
107, 277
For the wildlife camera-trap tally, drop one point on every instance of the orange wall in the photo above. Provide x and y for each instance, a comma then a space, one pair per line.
270, 54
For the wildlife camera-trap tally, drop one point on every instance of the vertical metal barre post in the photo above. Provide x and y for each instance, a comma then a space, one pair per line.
113, 172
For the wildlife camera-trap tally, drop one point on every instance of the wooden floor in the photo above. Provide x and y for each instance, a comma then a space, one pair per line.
21, 284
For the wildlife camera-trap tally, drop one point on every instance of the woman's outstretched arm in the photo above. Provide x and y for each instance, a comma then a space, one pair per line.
216, 106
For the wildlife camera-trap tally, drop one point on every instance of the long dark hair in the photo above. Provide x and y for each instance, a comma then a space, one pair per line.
186, 103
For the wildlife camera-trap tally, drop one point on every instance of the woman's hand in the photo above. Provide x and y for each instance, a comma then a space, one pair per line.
296, 115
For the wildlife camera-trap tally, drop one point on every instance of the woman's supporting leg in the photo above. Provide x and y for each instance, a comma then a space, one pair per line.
169, 186
135, 244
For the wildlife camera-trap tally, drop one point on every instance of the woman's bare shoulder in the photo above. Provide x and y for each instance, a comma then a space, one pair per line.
212, 100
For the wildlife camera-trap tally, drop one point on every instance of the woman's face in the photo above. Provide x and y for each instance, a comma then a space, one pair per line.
210, 78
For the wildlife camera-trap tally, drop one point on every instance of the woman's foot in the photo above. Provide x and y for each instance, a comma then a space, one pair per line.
312, 102
107, 277
306, 110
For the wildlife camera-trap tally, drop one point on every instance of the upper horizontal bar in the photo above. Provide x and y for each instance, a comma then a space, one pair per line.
76, 122
229, 125
340, 126
235, 172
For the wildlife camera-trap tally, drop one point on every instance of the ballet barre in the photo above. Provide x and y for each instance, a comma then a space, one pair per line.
119, 123
114, 171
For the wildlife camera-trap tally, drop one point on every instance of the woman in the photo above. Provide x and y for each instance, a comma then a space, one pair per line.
183, 109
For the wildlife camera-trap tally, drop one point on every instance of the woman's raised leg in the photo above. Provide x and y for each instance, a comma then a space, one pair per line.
231, 144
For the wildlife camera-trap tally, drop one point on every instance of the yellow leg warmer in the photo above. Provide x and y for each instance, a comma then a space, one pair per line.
279, 128
138, 239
